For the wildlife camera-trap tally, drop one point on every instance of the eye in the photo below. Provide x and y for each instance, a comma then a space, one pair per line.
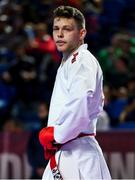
67, 29
55, 28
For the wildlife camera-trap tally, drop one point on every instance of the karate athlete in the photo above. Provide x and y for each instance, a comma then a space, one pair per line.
77, 99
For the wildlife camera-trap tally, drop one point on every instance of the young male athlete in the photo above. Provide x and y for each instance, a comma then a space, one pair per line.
77, 99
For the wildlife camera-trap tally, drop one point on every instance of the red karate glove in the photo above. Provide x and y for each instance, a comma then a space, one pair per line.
46, 138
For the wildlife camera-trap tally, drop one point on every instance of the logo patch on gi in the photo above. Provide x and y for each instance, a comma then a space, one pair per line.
74, 57
56, 174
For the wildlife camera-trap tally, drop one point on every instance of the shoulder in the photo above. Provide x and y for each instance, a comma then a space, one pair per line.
88, 60
88, 56
83, 58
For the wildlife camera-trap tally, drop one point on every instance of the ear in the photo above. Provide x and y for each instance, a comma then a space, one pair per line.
82, 34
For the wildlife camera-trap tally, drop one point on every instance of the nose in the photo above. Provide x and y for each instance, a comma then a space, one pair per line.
60, 33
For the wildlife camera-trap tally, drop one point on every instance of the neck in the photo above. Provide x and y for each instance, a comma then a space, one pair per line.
67, 54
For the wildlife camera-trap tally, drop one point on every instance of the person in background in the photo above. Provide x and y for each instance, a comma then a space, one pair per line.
128, 113
35, 152
42, 43
12, 125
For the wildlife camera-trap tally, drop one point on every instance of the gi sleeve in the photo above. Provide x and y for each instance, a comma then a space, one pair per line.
81, 87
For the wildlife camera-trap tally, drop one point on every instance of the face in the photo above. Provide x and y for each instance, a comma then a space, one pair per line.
43, 111
67, 35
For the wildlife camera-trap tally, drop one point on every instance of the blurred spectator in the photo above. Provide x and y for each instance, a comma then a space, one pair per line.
43, 48
116, 105
7, 99
35, 151
74, 3
110, 19
92, 10
116, 60
128, 113
43, 113
23, 75
43, 43
12, 125
128, 16
107, 94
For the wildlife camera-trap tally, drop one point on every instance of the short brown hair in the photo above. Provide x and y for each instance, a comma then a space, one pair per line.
70, 12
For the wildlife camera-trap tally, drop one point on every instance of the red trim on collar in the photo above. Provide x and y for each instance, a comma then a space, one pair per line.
74, 57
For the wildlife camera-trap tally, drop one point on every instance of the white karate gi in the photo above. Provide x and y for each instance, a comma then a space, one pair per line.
76, 101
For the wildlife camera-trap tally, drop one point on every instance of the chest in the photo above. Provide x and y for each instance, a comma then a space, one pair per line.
61, 82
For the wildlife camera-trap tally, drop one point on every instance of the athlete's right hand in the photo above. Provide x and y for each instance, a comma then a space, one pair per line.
46, 138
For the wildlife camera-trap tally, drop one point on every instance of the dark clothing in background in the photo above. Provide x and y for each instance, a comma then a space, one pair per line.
35, 155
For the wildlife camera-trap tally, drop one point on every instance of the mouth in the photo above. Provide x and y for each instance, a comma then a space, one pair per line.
60, 43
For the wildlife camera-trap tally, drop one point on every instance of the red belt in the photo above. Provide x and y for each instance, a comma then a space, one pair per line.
53, 165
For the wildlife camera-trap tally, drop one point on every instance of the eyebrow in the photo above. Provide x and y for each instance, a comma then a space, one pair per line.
65, 26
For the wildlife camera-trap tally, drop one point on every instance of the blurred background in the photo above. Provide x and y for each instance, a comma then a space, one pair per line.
28, 65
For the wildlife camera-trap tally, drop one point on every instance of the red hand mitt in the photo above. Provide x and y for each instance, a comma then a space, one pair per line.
46, 138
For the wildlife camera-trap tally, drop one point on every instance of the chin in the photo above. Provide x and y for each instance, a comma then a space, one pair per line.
61, 49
